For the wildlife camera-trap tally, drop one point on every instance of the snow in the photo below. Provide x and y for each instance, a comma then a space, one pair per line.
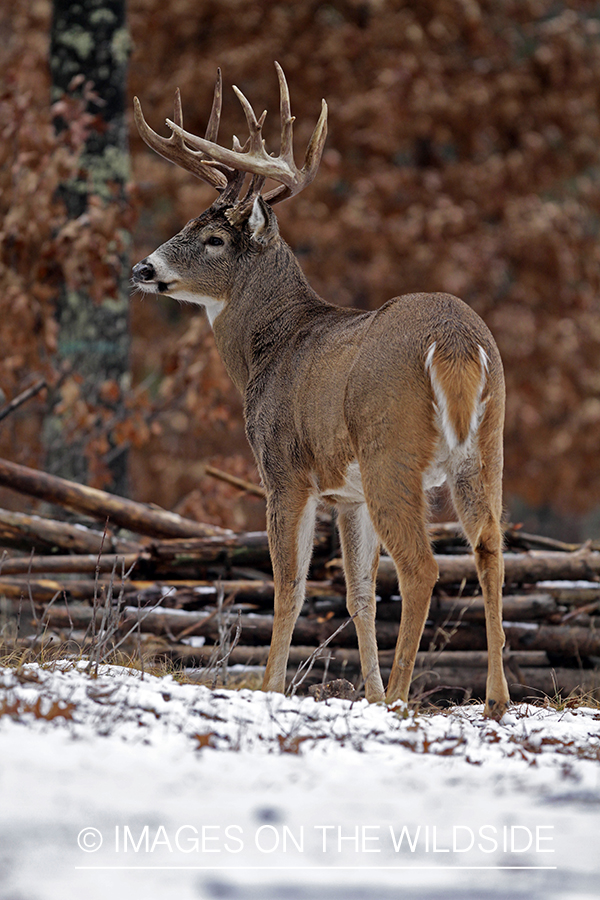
123, 787
194, 641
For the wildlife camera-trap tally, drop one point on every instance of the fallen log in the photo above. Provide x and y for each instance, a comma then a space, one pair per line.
520, 568
560, 640
195, 593
188, 593
200, 592
42, 590
168, 557
30, 532
572, 595
531, 684
345, 656
528, 674
78, 563
124, 513
250, 548
515, 608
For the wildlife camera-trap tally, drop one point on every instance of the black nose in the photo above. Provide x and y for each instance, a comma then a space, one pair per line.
143, 271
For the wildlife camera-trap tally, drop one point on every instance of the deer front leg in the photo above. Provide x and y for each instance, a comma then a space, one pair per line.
290, 528
360, 548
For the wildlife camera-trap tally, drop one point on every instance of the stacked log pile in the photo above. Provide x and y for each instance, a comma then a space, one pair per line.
150, 583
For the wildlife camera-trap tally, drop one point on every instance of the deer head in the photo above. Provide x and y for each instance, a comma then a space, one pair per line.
197, 265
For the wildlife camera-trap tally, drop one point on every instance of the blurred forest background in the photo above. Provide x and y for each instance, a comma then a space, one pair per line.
463, 155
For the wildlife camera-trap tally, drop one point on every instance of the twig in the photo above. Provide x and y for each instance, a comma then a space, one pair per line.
234, 643
203, 622
434, 652
240, 483
580, 611
147, 610
541, 542
35, 618
314, 656
139, 640
224, 644
22, 398
96, 584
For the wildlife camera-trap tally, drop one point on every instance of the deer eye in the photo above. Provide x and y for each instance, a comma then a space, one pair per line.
214, 241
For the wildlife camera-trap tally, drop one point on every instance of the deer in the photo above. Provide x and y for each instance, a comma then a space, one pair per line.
363, 411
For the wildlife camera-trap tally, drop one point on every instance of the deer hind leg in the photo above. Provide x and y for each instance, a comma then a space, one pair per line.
360, 548
478, 503
397, 510
290, 528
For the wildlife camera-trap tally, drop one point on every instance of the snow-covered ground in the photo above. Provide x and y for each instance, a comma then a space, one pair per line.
118, 787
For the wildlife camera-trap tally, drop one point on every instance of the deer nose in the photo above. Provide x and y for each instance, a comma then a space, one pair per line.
143, 271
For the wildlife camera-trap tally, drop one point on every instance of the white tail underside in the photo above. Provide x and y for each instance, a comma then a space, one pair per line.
450, 452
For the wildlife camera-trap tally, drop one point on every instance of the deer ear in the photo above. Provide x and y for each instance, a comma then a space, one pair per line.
262, 222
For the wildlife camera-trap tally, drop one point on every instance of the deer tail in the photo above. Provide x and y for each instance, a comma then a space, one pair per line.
458, 378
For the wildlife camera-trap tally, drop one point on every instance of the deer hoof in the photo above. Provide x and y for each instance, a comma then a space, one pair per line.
495, 709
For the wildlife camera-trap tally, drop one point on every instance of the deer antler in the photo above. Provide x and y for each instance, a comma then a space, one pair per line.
220, 167
174, 149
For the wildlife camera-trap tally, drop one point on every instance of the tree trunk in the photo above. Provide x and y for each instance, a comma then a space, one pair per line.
90, 46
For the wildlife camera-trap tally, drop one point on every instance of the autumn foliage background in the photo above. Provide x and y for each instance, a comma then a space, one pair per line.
463, 155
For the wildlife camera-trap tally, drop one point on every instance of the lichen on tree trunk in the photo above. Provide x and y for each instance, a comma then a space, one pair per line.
88, 57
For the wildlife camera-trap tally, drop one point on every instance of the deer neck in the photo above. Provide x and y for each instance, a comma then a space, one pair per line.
266, 310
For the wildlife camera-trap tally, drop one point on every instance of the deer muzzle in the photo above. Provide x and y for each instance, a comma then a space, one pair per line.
143, 271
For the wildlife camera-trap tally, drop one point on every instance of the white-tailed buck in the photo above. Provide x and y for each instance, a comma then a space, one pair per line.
365, 411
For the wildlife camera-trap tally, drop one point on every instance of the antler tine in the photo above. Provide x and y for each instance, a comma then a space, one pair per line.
174, 149
212, 129
177, 110
314, 151
312, 159
254, 125
287, 119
